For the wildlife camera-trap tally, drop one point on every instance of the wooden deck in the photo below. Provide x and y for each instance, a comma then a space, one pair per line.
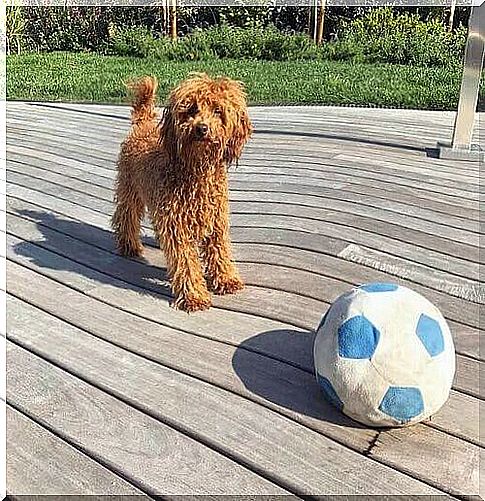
110, 391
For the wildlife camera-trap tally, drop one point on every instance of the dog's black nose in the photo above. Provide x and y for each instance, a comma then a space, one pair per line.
201, 130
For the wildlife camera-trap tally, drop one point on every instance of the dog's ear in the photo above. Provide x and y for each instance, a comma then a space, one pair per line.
241, 124
168, 137
241, 132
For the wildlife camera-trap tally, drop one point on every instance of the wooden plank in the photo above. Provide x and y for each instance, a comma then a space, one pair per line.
252, 368
321, 198
338, 178
438, 454
357, 231
235, 326
323, 244
306, 285
42, 155
237, 366
44, 135
359, 174
381, 164
303, 461
345, 189
41, 124
41, 464
457, 310
293, 312
466, 338
49, 334
318, 150
453, 242
159, 459
85, 182
411, 125
52, 138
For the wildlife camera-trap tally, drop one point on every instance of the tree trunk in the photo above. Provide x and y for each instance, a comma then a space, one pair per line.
452, 15
173, 20
321, 18
310, 21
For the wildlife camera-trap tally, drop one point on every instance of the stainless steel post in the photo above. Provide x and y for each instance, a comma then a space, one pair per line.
461, 146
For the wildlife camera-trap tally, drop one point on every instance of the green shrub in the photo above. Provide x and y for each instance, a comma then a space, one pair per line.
135, 42
193, 47
221, 42
382, 35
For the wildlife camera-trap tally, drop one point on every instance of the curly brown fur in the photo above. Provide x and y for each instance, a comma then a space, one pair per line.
177, 170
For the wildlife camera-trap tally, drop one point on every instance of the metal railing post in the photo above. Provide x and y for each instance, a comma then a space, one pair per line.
461, 146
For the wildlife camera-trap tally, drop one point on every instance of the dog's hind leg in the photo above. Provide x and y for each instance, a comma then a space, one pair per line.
126, 220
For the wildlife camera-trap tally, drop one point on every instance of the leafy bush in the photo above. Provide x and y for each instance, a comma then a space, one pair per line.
382, 35
221, 42
82, 28
194, 47
135, 42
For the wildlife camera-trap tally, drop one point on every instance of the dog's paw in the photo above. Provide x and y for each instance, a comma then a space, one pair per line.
227, 285
192, 303
129, 250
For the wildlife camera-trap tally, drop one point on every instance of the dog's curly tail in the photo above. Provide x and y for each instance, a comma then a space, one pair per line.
143, 93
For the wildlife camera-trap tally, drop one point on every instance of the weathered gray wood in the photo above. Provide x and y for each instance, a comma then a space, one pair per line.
224, 360
322, 198
342, 212
41, 464
412, 217
236, 326
306, 286
295, 457
109, 150
408, 199
43, 155
355, 230
454, 242
243, 368
155, 456
262, 304
292, 239
433, 446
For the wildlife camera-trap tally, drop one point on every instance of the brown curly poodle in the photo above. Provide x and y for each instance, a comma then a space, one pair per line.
176, 168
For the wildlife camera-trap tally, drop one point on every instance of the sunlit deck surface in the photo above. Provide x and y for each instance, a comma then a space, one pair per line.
112, 391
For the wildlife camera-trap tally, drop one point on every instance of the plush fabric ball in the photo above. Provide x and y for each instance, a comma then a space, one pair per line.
384, 355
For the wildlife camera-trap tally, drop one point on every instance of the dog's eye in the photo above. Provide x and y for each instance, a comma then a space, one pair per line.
218, 112
193, 110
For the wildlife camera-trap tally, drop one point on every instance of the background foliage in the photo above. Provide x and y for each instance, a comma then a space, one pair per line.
92, 28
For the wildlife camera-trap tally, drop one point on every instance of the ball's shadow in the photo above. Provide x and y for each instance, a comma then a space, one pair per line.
278, 366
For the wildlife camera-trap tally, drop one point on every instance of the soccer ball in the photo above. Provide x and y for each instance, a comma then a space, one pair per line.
384, 355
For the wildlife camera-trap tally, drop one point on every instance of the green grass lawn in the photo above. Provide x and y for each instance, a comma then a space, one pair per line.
95, 78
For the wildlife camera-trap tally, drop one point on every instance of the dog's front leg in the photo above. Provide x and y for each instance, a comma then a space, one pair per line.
221, 271
184, 267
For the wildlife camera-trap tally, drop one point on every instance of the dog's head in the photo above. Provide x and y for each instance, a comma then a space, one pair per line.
206, 117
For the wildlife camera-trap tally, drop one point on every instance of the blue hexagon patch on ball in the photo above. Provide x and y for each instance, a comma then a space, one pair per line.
402, 403
378, 287
357, 338
430, 334
329, 392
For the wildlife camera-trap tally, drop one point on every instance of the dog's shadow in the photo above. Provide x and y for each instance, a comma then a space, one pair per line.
89, 251
276, 366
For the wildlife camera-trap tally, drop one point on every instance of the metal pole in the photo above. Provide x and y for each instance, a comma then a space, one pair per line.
461, 146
